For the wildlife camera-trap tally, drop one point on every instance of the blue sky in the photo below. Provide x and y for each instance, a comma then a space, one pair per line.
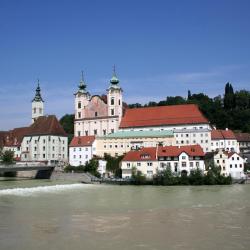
160, 48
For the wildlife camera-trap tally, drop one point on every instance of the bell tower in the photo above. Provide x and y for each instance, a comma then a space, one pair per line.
82, 97
37, 104
114, 94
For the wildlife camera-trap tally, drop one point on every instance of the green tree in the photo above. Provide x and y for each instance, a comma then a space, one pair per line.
196, 177
7, 157
67, 121
92, 167
114, 164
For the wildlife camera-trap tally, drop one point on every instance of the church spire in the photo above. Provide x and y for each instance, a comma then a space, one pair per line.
38, 97
82, 85
114, 80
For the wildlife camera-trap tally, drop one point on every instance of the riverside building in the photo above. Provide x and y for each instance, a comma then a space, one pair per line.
180, 159
43, 141
224, 139
188, 124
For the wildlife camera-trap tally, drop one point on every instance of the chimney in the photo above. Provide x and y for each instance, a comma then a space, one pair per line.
156, 152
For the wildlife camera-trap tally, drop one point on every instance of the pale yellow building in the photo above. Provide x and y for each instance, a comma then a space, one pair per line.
122, 142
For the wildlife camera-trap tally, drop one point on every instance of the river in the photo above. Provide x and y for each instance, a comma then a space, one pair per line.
48, 215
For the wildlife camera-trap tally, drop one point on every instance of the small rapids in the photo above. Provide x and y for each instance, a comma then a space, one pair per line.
29, 191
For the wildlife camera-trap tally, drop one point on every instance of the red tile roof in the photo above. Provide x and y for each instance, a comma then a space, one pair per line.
2, 138
243, 137
144, 154
162, 115
218, 134
46, 125
230, 154
171, 151
82, 141
191, 150
14, 137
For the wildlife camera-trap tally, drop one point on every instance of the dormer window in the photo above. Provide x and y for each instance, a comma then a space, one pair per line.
145, 156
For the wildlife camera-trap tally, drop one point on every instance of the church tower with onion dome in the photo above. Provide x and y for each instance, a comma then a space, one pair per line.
114, 97
37, 104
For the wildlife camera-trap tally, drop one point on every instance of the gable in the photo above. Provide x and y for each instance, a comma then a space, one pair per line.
95, 106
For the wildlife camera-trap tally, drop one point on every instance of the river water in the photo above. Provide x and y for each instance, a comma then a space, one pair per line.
50, 215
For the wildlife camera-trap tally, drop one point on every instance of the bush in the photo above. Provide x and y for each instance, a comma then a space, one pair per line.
138, 178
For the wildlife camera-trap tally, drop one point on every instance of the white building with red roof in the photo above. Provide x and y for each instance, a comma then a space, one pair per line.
43, 141
187, 122
231, 163
180, 159
81, 150
224, 139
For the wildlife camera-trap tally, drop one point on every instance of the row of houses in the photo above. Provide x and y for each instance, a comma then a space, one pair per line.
181, 160
104, 124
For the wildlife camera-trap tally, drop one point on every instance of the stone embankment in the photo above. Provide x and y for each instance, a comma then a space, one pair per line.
75, 177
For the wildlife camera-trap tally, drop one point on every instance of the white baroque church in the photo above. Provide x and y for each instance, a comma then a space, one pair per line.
98, 115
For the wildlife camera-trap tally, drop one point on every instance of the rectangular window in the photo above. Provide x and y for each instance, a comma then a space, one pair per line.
96, 114
138, 164
79, 105
79, 114
112, 112
183, 164
197, 164
128, 164
86, 132
95, 131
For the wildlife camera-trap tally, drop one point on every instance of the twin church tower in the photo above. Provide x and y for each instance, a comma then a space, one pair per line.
94, 114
